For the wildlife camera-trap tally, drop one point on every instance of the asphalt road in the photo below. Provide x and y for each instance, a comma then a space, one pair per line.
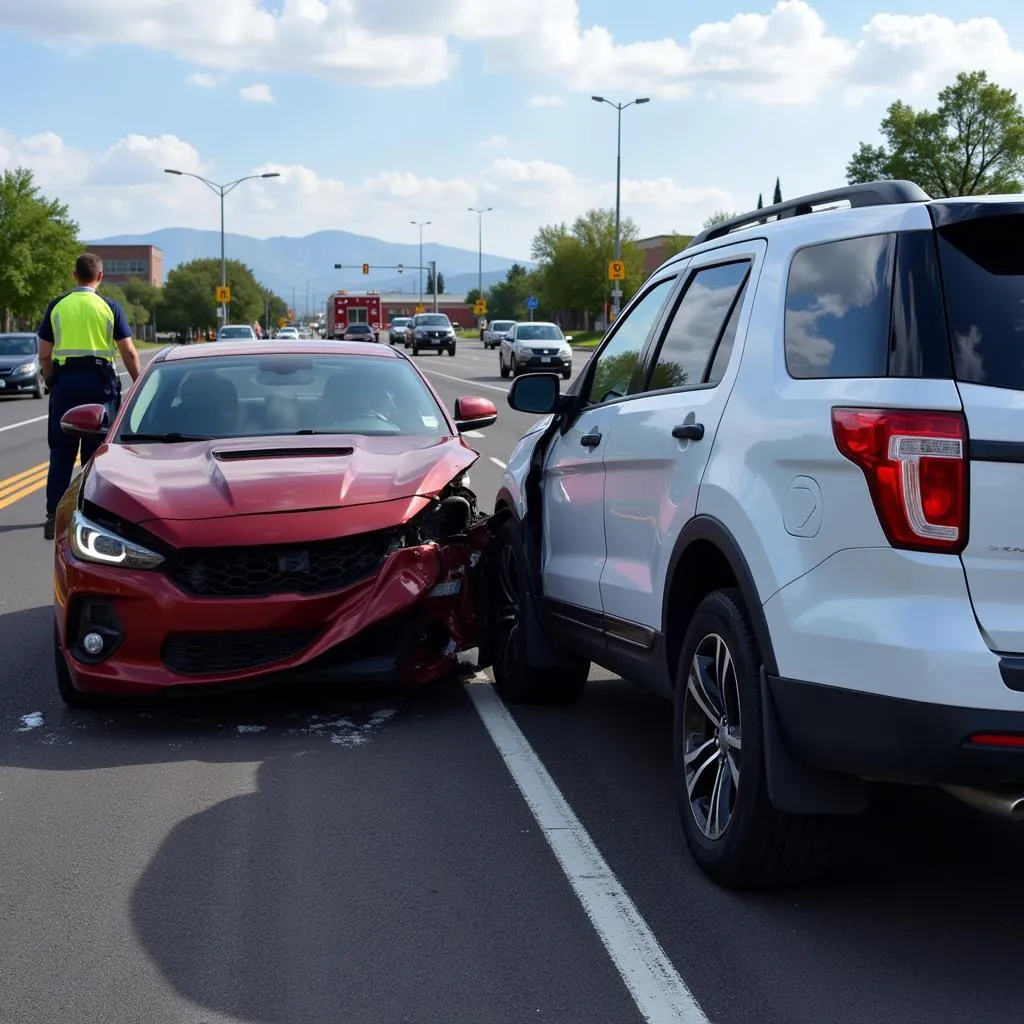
327, 857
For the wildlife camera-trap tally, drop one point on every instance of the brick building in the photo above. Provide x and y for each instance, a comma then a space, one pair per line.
655, 251
122, 262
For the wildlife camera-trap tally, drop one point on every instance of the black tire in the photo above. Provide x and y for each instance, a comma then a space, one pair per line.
451, 350
40, 389
71, 696
415, 351
566, 374
503, 369
757, 847
516, 681
513, 369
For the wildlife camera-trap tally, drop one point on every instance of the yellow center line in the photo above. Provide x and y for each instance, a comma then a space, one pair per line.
21, 485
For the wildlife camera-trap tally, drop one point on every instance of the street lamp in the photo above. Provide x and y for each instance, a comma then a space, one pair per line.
421, 225
222, 191
620, 107
480, 247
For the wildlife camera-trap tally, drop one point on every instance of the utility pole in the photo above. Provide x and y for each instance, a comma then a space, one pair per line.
620, 107
433, 278
480, 246
421, 225
222, 191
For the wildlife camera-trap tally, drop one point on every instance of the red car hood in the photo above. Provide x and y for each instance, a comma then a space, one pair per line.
201, 480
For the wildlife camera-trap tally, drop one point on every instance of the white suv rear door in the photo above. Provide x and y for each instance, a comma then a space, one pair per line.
656, 457
982, 263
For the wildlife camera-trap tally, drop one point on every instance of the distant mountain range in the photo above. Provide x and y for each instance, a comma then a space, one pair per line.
283, 264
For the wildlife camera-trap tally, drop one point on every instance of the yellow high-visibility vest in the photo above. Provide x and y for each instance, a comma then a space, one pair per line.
83, 325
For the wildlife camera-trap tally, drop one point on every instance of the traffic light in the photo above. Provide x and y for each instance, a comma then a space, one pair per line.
400, 268
366, 268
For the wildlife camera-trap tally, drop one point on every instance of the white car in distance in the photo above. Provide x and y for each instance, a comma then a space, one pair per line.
236, 332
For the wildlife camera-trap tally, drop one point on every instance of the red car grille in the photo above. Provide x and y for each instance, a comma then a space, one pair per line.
207, 654
313, 568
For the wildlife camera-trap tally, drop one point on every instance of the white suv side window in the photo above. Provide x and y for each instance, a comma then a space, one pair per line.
699, 327
615, 363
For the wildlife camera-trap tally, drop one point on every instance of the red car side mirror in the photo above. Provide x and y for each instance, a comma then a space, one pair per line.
472, 413
85, 421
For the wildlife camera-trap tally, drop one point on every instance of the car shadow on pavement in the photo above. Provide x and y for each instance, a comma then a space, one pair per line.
394, 881
36, 524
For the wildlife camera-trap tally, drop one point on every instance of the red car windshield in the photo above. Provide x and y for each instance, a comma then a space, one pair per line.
280, 394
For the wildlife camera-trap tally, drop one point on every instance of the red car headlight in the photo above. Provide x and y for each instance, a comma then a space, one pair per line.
97, 544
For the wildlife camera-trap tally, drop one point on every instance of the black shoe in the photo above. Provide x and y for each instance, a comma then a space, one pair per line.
49, 528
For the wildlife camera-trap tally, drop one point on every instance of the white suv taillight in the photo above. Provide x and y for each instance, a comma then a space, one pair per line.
915, 464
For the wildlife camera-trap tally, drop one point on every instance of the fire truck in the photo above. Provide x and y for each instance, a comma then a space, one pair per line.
344, 309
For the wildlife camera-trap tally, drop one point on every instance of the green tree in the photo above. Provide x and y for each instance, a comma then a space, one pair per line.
473, 294
760, 201
189, 297
429, 287
718, 217
507, 299
971, 144
138, 315
676, 243
571, 280
777, 194
39, 243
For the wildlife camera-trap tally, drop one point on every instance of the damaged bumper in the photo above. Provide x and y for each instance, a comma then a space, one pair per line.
408, 622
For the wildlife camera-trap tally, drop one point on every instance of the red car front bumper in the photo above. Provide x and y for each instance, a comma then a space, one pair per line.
407, 622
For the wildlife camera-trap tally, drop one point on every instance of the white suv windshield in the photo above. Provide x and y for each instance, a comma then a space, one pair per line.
539, 332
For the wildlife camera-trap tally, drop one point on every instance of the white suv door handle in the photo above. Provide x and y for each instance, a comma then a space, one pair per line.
688, 431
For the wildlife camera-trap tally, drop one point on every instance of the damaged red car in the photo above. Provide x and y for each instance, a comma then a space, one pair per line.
255, 515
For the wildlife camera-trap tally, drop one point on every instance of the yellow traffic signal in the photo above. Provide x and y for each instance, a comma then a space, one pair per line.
366, 268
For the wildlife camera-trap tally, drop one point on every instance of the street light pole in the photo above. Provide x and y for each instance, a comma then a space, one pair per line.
222, 191
480, 247
421, 225
619, 107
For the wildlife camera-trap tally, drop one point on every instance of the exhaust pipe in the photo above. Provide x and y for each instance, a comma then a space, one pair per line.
1008, 805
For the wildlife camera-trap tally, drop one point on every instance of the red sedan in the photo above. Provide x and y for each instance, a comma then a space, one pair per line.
300, 510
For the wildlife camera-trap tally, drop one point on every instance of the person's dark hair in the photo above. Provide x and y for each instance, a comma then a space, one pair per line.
88, 267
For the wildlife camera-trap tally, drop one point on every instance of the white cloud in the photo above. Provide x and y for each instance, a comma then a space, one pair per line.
787, 55
258, 93
545, 101
494, 142
203, 80
122, 190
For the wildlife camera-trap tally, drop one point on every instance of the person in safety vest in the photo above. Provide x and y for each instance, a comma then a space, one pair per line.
79, 336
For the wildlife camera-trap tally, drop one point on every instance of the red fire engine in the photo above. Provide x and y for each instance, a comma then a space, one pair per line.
344, 309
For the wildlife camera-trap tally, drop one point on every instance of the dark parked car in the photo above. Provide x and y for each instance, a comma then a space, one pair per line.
19, 366
358, 332
431, 331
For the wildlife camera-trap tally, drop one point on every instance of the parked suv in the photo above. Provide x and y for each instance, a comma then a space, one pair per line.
430, 331
495, 331
786, 493
530, 346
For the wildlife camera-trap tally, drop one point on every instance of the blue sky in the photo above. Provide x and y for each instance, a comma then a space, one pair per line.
379, 112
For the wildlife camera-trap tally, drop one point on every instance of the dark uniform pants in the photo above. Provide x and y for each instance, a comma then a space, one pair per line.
77, 382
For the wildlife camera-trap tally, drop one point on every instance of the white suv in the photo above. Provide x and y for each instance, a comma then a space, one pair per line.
786, 493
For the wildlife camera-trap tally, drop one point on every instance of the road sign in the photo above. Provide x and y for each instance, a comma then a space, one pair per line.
223, 294
281, 321
616, 293
616, 270
421, 309
531, 303
480, 307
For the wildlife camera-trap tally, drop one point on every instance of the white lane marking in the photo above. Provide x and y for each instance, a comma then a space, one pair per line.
498, 462
463, 380
23, 423
657, 989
